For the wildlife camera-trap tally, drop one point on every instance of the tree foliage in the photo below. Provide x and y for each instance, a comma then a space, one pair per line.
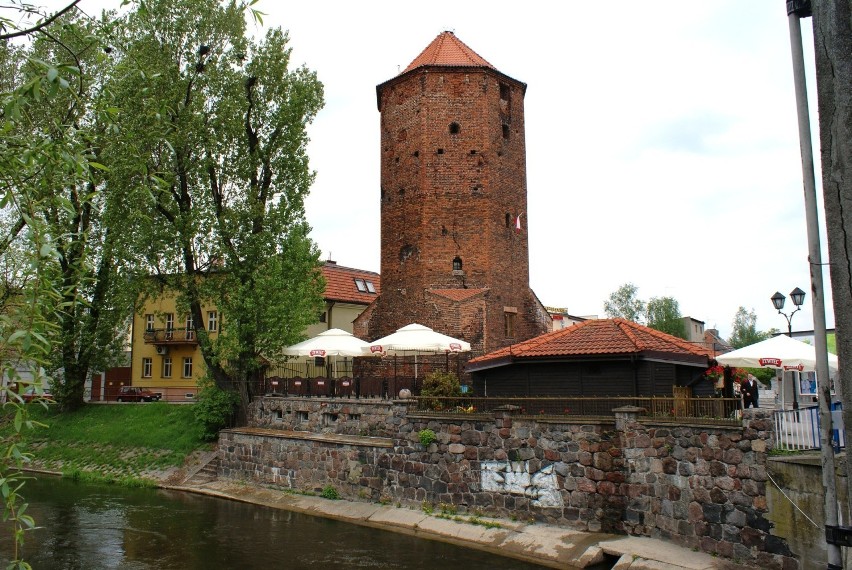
744, 329
218, 176
663, 314
624, 303
37, 152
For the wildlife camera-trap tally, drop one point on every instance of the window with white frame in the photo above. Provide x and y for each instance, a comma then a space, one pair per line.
212, 321
187, 367
170, 324
147, 367
190, 327
167, 367
149, 322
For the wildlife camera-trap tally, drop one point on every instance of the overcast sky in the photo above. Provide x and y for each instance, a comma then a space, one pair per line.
662, 145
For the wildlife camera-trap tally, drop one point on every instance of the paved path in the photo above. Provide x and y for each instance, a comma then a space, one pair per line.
548, 545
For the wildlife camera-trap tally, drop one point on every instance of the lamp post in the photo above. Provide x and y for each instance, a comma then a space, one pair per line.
798, 297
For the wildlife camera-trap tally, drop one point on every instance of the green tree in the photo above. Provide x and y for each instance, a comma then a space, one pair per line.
66, 133
744, 331
663, 314
624, 303
218, 199
32, 294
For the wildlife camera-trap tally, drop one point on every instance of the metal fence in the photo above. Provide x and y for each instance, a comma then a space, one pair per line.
724, 411
799, 430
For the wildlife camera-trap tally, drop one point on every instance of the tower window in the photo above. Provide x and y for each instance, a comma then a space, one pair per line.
454, 128
505, 92
440, 151
416, 153
457, 264
508, 220
509, 324
505, 131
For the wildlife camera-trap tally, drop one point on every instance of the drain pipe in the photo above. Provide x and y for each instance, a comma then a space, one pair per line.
797, 9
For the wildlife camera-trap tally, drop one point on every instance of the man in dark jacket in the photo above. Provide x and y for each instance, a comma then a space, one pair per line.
749, 391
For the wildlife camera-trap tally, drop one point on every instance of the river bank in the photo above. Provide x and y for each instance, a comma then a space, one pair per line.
547, 545
108, 453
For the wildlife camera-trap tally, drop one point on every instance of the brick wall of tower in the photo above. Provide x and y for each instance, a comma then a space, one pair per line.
452, 183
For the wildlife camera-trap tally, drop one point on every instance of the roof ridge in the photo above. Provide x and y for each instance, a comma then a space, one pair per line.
624, 326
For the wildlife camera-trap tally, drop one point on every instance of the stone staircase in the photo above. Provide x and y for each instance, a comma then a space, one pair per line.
207, 471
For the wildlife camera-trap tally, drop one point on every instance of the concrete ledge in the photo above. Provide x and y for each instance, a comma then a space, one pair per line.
335, 438
548, 545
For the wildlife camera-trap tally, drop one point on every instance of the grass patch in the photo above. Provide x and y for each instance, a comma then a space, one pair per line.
119, 444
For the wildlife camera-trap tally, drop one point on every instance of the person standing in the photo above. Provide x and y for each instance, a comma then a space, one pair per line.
749, 390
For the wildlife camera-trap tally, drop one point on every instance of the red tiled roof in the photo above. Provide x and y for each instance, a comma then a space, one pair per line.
340, 284
456, 294
448, 50
598, 337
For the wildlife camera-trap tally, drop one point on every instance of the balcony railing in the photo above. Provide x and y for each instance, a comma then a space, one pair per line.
170, 336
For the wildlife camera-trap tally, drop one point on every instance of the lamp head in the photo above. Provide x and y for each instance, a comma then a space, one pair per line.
798, 296
778, 300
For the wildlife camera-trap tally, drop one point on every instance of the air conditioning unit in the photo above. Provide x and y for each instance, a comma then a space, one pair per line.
162, 350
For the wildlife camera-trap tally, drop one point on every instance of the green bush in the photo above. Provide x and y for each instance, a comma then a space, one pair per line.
214, 408
329, 492
426, 436
440, 385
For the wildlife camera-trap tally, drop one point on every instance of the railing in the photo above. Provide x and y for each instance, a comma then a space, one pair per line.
170, 336
724, 411
799, 430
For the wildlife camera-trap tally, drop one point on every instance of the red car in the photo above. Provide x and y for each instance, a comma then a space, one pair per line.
134, 394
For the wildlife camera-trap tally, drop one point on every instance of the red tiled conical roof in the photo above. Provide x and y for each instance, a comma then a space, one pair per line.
597, 337
448, 50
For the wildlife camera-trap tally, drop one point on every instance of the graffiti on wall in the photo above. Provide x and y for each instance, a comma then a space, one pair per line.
514, 477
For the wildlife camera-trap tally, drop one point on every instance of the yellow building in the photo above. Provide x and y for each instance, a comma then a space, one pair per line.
165, 356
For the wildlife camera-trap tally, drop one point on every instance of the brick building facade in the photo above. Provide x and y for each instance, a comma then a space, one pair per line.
453, 203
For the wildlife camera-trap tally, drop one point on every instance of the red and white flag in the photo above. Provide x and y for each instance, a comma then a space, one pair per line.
518, 224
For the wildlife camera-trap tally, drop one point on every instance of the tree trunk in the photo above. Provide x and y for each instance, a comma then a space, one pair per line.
833, 47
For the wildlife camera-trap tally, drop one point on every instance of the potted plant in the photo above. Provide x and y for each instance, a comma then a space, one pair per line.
716, 375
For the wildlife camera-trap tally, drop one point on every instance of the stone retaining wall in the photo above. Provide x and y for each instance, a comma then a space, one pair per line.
701, 486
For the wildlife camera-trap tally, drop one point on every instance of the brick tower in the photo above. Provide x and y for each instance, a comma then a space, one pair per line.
453, 202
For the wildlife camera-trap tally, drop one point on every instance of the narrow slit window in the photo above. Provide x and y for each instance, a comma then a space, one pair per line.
454, 128
457, 264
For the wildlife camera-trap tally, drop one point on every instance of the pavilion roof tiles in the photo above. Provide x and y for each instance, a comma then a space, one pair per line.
598, 337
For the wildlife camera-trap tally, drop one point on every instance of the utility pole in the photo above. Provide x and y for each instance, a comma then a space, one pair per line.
797, 9
833, 48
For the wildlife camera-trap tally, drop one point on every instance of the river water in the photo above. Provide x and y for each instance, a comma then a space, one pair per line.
87, 526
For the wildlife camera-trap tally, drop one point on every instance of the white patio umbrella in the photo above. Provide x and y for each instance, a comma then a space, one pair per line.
414, 339
333, 342
779, 352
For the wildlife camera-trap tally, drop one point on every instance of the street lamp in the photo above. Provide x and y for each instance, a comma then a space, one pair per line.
798, 297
